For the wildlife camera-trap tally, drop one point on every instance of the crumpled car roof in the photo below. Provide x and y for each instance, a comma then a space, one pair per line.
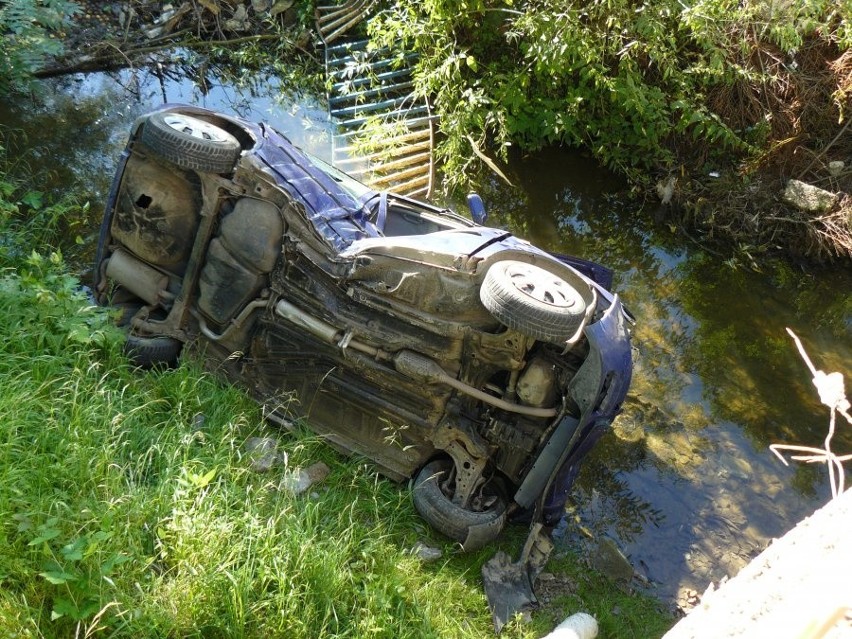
335, 213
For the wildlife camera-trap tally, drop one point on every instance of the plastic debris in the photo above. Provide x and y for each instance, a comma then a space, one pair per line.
580, 625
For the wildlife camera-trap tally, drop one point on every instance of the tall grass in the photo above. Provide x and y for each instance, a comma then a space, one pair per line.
122, 510
128, 506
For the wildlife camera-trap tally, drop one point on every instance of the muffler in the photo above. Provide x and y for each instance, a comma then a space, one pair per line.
139, 278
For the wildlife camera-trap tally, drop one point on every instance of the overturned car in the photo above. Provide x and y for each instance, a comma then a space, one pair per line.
443, 350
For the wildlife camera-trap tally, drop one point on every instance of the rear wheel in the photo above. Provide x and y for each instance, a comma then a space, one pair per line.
147, 352
433, 490
191, 143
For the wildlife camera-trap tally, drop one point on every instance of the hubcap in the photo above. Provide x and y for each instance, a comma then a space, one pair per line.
194, 128
541, 286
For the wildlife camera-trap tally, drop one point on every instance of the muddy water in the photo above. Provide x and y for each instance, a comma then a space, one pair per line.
685, 484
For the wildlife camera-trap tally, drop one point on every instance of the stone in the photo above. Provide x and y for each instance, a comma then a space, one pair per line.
808, 197
425, 553
300, 480
608, 559
198, 421
263, 452
835, 168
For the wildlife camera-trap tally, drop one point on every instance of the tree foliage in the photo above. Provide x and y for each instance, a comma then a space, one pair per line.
29, 29
647, 86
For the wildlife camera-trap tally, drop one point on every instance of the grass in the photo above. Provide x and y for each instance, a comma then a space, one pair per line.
123, 513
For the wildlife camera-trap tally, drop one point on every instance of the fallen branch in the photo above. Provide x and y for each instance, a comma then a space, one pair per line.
118, 58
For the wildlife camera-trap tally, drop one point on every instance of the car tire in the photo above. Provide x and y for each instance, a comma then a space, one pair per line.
532, 301
451, 519
147, 352
191, 143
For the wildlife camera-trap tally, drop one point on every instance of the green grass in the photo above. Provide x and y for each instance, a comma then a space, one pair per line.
122, 513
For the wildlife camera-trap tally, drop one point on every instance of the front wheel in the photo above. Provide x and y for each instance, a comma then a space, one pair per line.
433, 500
533, 301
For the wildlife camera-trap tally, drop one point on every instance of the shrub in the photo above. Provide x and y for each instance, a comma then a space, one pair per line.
647, 87
31, 30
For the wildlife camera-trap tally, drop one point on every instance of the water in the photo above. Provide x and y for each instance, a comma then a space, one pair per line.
685, 483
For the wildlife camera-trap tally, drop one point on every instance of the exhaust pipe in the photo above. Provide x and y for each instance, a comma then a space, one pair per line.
411, 364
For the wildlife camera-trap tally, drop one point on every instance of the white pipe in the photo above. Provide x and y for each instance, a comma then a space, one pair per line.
496, 401
578, 626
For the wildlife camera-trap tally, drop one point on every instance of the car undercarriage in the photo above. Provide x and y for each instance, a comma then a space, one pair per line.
445, 351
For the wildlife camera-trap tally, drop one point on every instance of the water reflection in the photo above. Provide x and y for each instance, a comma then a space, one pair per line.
684, 482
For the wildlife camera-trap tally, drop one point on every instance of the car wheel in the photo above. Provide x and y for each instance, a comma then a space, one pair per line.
191, 143
147, 352
471, 528
533, 301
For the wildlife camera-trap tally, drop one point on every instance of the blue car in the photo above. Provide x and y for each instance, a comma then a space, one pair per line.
448, 352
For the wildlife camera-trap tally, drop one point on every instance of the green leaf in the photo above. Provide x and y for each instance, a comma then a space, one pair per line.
58, 577
45, 534
63, 607
74, 550
6, 189
80, 334
116, 560
24, 522
201, 481
33, 199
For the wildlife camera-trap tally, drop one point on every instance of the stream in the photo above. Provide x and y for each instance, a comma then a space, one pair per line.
685, 484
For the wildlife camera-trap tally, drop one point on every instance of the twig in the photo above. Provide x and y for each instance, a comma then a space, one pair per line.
827, 147
491, 164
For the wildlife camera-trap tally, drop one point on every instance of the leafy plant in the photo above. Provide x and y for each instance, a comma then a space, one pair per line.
648, 88
31, 34
30, 218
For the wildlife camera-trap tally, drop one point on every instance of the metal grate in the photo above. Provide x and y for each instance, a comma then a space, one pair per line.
384, 132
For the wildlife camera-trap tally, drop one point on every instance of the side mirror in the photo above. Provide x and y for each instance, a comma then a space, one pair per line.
477, 208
